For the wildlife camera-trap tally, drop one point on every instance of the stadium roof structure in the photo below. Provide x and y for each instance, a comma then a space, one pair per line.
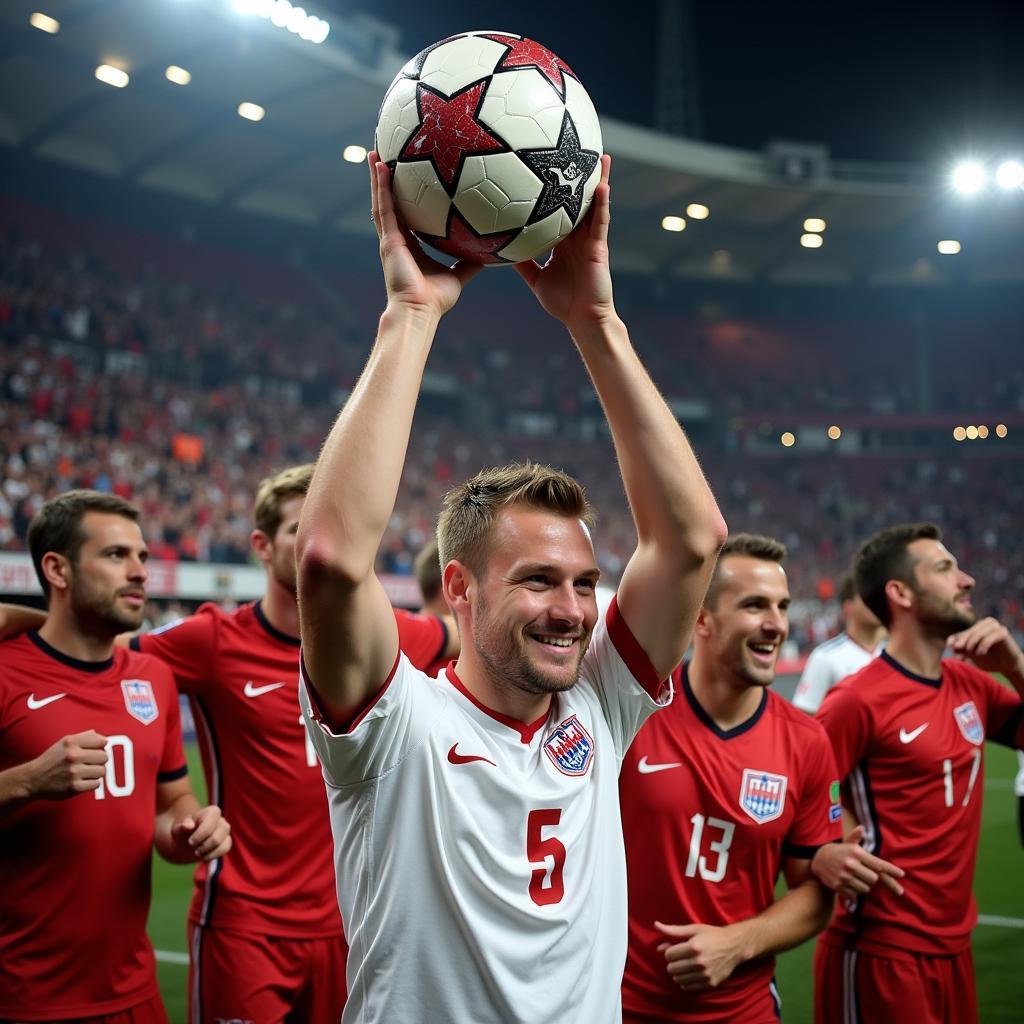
883, 221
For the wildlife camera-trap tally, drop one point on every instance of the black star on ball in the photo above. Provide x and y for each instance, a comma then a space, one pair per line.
564, 171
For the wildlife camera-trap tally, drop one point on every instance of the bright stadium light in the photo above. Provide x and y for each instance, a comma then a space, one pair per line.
1010, 175
983, 431
354, 154
788, 439
834, 433
972, 433
179, 76
948, 247
811, 241
698, 211
44, 23
251, 111
959, 433
969, 177
112, 76
814, 224
1001, 430
673, 223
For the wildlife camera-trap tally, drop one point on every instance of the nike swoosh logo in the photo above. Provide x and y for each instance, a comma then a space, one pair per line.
909, 737
649, 769
456, 758
34, 704
256, 691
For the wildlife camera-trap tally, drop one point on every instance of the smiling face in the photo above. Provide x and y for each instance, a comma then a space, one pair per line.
940, 589
106, 583
741, 634
533, 607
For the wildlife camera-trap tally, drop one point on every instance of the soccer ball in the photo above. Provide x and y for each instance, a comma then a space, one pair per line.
493, 144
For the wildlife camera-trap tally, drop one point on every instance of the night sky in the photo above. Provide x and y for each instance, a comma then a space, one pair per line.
898, 81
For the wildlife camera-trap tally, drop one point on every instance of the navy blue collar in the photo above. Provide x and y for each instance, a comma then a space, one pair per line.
893, 663
284, 638
66, 659
698, 710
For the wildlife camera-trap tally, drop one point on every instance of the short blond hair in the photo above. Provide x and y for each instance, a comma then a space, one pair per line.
275, 491
469, 510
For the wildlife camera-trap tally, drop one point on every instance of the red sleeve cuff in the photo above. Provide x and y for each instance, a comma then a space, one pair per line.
338, 726
632, 653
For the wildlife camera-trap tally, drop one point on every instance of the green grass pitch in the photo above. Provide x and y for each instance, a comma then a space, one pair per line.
998, 950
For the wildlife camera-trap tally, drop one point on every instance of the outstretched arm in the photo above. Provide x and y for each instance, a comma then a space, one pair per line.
350, 640
679, 527
19, 618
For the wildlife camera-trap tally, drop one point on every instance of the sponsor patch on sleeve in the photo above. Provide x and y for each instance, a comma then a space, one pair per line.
835, 811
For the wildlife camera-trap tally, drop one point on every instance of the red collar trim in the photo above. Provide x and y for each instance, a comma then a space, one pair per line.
526, 732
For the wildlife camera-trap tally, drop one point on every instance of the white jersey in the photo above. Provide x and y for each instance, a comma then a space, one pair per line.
1018, 782
480, 863
829, 662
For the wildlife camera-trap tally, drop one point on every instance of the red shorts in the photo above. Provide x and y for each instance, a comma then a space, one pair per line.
727, 1004
852, 987
260, 979
150, 1012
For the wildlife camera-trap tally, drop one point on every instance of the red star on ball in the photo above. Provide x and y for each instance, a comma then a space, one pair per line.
464, 243
449, 131
527, 53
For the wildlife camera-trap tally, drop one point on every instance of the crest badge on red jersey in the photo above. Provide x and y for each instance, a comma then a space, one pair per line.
969, 720
139, 700
570, 748
762, 794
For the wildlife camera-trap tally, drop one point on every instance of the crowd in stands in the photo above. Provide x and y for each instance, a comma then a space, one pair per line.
180, 390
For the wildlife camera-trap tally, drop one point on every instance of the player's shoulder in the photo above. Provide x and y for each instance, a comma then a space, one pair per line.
131, 664
791, 717
833, 645
966, 674
16, 653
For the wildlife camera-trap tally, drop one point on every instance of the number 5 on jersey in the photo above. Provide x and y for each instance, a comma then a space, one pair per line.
546, 885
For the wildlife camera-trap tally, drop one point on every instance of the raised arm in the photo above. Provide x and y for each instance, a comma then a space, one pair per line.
19, 618
679, 527
349, 636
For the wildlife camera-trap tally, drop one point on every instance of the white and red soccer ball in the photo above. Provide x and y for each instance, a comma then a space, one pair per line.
494, 147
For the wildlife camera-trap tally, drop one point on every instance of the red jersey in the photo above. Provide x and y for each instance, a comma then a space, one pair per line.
708, 816
76, 872
241, 677
910, 752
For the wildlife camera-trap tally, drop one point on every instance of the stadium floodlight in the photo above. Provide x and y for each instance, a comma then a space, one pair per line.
673, 223
959, 433
972, 433
815, 225
698, 211
1001, 430
811, 241
44, 23
112, 76
354, 154
834, 433
788, 439
969, 177
982, 431
948, 247
179, 76
281, 12
1010, 175
251, 111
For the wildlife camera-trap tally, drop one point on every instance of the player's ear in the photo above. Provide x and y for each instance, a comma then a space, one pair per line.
702, 627
262, 546
900, 594
56, 570
457, 584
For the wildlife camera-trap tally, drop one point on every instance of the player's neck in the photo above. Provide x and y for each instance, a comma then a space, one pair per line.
728, 702
496, 694
65, 634
868, 637
281, 608
915, 651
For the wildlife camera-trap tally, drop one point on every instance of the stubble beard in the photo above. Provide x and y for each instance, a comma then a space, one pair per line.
98, 614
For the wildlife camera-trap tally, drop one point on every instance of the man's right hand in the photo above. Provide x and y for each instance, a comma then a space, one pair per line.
413, 279
851, 871
74, 764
